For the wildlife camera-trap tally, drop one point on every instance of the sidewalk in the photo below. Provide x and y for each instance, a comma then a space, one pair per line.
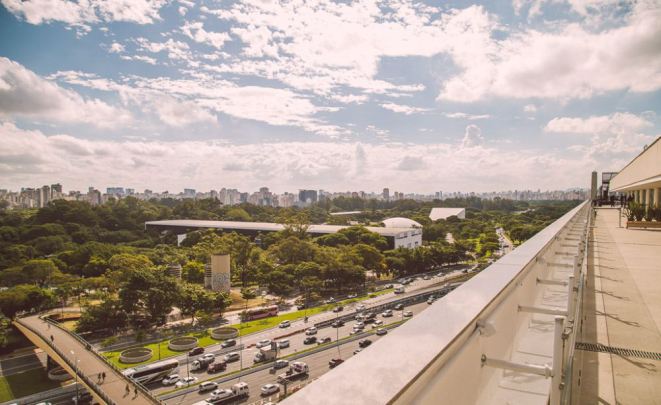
622, 309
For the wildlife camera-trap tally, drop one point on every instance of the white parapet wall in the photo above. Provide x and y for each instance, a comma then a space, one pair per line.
454, 351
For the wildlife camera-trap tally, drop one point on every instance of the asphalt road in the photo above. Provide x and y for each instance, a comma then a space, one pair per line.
318, 362
296, 341
22, 363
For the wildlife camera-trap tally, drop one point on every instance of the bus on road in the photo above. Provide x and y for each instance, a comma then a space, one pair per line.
258, 313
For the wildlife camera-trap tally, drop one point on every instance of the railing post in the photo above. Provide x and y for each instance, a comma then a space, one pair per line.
570, 299
576, 269
556, 380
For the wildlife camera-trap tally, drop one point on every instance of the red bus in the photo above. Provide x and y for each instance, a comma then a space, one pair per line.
258, 313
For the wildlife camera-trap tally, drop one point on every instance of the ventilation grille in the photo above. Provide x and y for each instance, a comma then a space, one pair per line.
597, 347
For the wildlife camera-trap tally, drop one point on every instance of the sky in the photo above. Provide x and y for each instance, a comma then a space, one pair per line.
416, 96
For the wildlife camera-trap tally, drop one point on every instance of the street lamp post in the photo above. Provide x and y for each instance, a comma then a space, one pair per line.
75, 371
337, 332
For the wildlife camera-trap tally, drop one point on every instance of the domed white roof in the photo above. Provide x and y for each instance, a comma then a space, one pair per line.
400, 222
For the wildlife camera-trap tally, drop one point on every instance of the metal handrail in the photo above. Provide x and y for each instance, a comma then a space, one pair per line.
92, 349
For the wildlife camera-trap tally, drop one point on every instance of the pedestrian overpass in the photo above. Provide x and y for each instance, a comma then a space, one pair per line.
83, 362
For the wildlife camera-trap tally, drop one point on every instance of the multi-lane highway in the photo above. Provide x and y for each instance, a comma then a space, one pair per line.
318, 362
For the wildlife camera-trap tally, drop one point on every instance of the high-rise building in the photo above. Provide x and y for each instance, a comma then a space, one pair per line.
386, 194
189, 193
307, 196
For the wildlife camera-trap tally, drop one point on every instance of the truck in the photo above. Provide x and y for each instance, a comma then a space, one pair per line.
265, 354
296, 369
202, 363
226, 394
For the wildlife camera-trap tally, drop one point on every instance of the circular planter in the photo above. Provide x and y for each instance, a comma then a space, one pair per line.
224, 333
58, 374
135, 355
182, 343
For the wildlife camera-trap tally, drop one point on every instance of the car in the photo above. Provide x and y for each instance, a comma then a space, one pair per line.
207, 357
387, 313
360, 317
263, 343
270, 389
186, 381
337, 324
360, 307
381, 332
399, 307
330, 300
364, 343
170, 379
335, 362
350, 296
426, 278
441, 274
207, 386
376, 324
197, 350
324, 340
309, 340
216, 367
431, 300
357, 350
359, 325
388, 286
281, 364
283, 343
465, 271
82, 398
228, 343
234, 356
408, 314
285, 324
356, 332
311, 331
338, 309
299, 307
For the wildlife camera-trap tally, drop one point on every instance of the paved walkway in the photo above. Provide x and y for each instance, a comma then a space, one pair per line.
88, 363
622, 309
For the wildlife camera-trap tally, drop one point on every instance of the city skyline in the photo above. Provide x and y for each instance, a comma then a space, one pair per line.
412, 95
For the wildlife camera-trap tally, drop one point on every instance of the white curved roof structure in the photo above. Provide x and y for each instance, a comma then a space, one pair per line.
399, 222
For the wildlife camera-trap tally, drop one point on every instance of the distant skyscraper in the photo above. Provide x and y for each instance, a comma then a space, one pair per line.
307, 196
386, 194
56, 188
189, 192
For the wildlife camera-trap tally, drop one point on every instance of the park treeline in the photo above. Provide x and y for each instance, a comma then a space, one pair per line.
102, 256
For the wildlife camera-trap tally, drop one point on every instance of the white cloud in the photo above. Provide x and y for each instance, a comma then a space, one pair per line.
33, 158
404, 109
179, 113
572, 62
608, 124
530, 108
175, 49
86, 11
116, 48
25, 94
196, 32
471, 117
472, 137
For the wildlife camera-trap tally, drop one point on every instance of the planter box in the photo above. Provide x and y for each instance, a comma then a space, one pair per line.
643, 224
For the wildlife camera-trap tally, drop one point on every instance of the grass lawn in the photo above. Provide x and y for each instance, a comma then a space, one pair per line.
26, 383
205, 339
239, 303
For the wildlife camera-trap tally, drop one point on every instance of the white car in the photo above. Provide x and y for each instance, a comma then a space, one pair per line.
206, 357
221, 394
280, 364
387, 313
263, 343
285, 324
408, 314
232, 357
376, 324
311, 331
283, 343
185, 382
381, 332
360, 307
359, 325
207, 386
171, 379
426, 278
270, 389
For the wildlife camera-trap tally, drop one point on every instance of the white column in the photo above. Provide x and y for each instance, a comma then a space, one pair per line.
657, 195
